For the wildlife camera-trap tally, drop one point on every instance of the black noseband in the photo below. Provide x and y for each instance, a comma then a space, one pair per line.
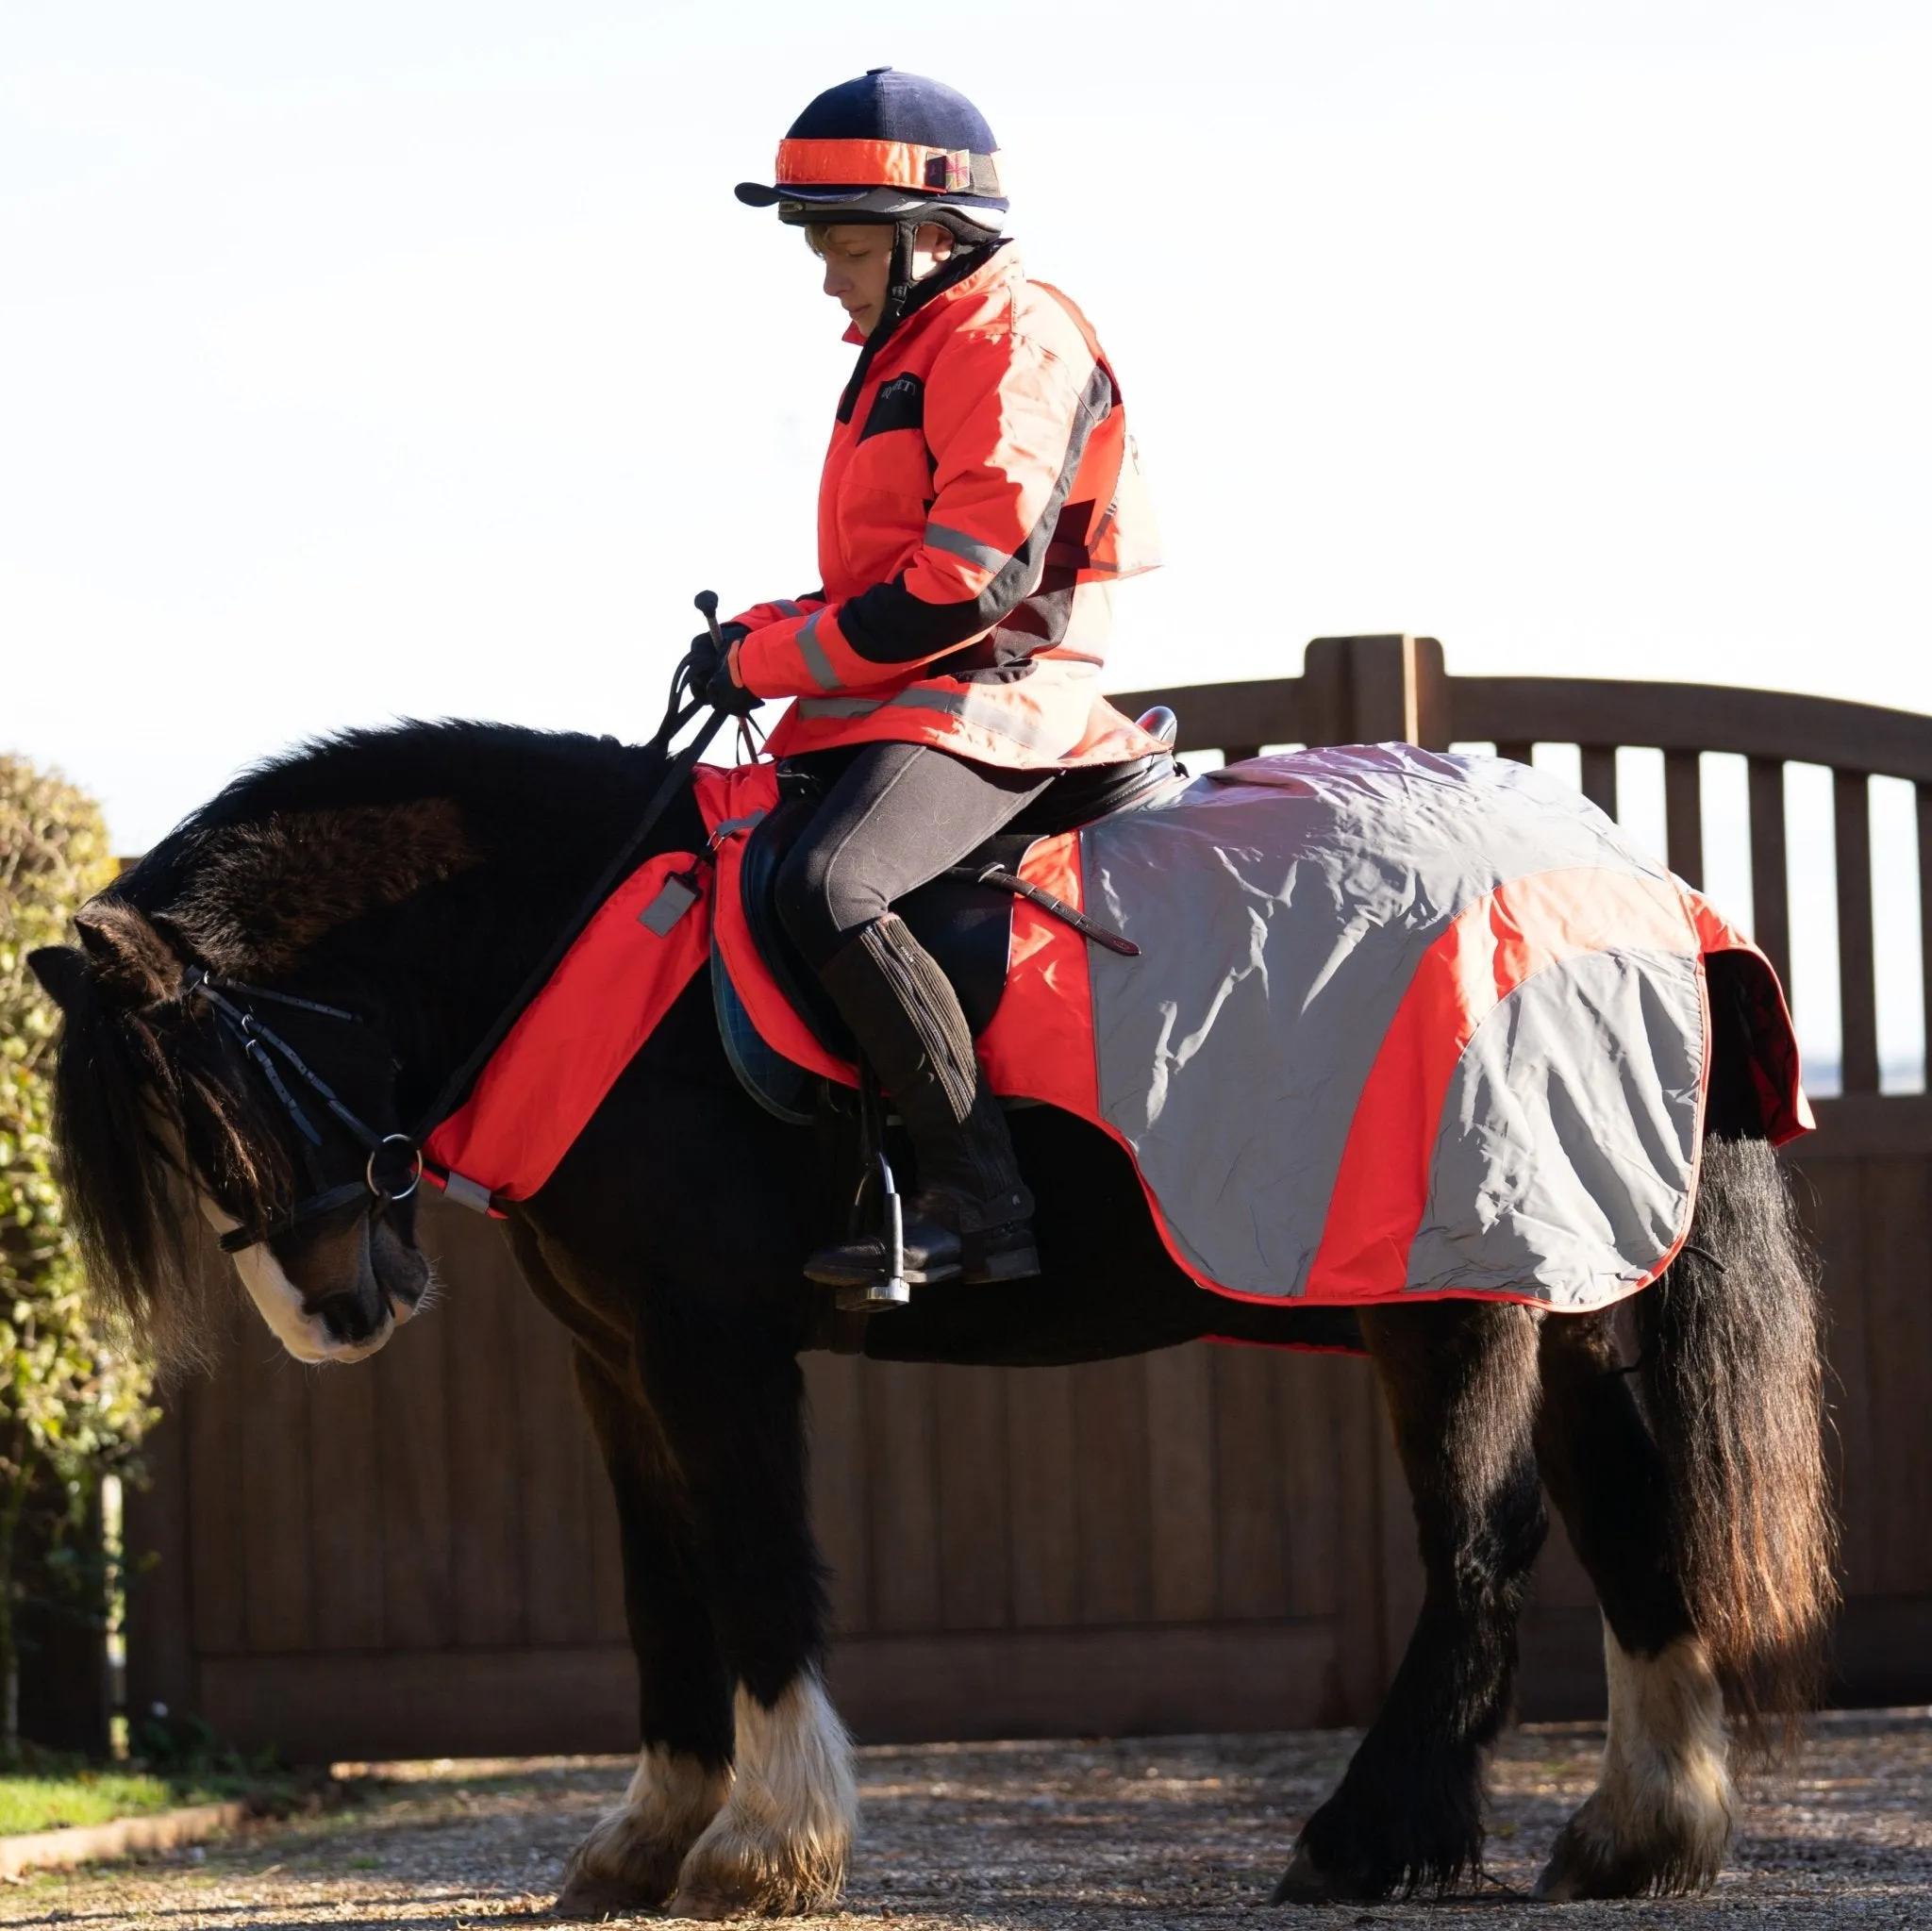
395, 1168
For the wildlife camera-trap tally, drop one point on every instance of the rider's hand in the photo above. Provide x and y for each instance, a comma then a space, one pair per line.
711, 673
707, 657
723, 692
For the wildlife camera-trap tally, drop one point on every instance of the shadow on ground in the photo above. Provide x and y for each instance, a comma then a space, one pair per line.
1171, 1832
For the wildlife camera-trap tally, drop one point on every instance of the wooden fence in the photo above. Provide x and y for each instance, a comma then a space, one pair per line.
418, 1555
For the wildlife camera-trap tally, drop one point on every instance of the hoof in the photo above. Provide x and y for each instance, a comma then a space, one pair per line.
723, 1879
1584, 1863
1306, 1883
597, 1897
1589, 1860
616, 1873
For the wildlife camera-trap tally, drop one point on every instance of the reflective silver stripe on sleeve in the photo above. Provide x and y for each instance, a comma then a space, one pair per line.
813, 652
786, 608
837, 706
970, 706
957, 543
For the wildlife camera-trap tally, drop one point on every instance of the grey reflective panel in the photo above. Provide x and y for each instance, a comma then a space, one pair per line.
1568, 1146
813, 652
1281, 907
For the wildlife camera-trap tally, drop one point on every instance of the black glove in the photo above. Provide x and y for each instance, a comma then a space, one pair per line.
710, 672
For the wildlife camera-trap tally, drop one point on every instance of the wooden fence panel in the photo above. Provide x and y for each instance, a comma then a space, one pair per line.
420, 1556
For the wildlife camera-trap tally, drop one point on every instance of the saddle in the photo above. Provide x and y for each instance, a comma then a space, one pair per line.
965, 925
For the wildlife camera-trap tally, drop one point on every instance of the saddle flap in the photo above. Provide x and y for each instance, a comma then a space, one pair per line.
967, 929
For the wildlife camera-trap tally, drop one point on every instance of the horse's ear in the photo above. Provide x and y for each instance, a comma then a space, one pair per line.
129, 957
61, 971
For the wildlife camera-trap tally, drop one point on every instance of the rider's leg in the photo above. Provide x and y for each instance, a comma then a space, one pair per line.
898, 815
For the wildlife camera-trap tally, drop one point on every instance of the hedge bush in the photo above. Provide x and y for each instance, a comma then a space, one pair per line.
73, 1403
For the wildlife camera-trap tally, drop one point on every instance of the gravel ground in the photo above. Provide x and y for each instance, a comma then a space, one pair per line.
1171, 1832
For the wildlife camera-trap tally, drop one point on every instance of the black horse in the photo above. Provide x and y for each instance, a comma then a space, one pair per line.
413, 877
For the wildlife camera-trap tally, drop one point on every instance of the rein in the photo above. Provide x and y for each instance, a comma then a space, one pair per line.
263, 1046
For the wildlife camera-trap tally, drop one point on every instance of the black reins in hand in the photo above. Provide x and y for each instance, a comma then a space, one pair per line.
264, 1047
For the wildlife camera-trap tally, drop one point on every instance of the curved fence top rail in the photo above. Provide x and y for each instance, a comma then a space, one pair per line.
1339, 698
1694, 717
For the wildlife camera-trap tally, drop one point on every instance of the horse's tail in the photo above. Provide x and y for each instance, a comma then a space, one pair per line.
1732, 1380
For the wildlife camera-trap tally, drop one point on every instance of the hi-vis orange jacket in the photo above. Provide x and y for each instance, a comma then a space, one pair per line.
980, 495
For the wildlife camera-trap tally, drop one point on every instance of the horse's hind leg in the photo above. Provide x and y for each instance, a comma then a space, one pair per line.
1461, 1383
632, 1857
1661, 1817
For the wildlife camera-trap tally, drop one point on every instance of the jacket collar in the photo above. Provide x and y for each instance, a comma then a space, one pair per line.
966, 276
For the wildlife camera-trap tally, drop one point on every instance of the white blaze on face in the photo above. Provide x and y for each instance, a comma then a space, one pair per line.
276, 1296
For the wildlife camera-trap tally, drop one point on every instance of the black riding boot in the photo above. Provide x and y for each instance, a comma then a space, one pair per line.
969, 1218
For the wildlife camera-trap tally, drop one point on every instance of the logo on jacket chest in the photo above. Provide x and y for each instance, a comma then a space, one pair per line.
899, 404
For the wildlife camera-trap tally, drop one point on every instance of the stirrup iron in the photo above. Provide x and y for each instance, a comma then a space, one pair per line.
890, 1289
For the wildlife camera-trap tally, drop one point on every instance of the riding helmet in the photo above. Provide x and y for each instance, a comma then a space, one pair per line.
887, 148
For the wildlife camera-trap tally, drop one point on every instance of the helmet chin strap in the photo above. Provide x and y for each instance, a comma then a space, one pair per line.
900, 280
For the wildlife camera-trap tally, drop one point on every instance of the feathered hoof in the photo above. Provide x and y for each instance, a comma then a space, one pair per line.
592, 1897
613, 1872
1592, 1859
721, 1881
1306, 1883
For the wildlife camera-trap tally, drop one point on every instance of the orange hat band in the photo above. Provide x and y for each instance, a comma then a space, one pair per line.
886, 164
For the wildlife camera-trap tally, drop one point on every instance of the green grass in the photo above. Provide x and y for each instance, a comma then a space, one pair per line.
49, 1803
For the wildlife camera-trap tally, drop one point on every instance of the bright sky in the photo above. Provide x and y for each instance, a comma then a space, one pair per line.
413, 358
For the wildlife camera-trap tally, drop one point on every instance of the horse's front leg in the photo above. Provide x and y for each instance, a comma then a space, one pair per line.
732, 1407
1461, 1382
631, 1859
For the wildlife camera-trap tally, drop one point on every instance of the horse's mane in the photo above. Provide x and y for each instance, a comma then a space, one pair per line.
484, 769
285, 864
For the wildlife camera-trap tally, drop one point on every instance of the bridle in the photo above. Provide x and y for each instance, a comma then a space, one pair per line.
263, 1046
396, 1163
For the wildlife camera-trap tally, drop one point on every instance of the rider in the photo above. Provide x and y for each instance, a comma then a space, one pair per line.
979, 497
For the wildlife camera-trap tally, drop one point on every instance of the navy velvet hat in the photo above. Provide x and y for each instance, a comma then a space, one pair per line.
885, 144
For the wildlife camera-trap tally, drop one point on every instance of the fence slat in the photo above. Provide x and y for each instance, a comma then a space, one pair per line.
1110, 1438
1850, 800
974, 1541
412, 1441
837, 1387
213, 1473
1249, 1535
1684, 816
1924, 797
554, 1504
277, 1577
1043, 1478
1180, 1482
345, 1534
899, 1418
1771, 910
1600, 776
483, 1374
1518, 751
1898, 1241
1313, 1419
